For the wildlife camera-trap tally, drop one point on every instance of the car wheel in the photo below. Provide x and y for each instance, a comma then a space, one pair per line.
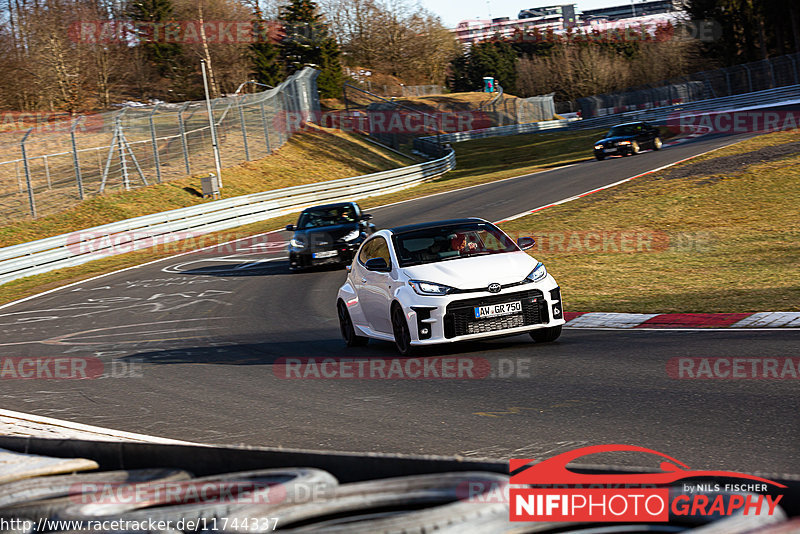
657, 144
347, 329
599, 157
402, 335
635, 149
546, 335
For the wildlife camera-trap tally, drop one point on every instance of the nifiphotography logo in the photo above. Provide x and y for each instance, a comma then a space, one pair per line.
560, 494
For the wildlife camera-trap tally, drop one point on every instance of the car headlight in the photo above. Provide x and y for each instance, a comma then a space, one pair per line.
624, 143
296, 243
598, 147
352, 235
538, 273
429, 288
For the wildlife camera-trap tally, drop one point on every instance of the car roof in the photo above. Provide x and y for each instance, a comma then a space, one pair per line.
629, 124
330, 206
434, 224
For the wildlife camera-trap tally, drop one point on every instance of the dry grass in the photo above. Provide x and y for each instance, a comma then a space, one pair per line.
314, 155
722, 242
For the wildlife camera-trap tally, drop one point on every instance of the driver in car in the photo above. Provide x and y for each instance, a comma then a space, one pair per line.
460, 244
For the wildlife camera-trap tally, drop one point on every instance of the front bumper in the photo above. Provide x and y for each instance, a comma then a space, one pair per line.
338, 253
449, 318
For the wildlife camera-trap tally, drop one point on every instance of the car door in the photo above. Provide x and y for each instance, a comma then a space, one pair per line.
375, 293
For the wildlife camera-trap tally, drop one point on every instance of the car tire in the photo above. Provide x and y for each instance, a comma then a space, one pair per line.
635, 148
546, 335
402, 334
657, 144
599, 157
347, 329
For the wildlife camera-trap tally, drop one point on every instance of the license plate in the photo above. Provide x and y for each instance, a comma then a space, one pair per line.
495, 310
610, 150
325, 254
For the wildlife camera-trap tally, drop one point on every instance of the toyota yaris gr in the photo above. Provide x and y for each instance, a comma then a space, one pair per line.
447, 281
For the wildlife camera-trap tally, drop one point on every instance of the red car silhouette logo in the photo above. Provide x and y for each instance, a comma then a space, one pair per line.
554, 470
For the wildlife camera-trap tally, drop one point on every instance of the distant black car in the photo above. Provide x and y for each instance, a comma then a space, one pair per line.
328, 234
627, 140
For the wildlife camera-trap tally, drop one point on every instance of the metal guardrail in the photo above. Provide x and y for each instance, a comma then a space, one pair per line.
656, 115
68, 250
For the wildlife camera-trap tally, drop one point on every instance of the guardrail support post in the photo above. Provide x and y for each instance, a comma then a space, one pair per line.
75, 162
31, 200
182, 128
155, 143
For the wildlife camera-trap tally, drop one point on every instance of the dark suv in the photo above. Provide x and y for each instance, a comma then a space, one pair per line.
627, 140
328, 234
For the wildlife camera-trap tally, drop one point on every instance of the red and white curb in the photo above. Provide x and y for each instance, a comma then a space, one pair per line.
683, 320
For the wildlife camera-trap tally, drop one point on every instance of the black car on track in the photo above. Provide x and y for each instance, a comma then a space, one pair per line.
627, 140
328, 234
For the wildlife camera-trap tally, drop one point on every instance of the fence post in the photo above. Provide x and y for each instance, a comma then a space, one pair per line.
182, 128
749, 78
244, 129
75, 162
266, 129
155, 143
120, 148
31, 200
794, 68
47, 172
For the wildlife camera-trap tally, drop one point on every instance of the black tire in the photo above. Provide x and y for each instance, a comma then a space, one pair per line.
657, 144
599, 157
402, 334
347, 329
546, 335
286, 485
635, 148
419, 503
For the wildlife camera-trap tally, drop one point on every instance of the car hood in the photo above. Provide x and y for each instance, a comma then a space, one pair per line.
475, 272
330, 233
616, 139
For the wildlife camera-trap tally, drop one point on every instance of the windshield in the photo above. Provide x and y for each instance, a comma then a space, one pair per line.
450, 242
627, 129
316, 218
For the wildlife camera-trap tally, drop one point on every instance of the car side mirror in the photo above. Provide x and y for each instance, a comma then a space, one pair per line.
366, 217
290, 228
526, 242
378, 265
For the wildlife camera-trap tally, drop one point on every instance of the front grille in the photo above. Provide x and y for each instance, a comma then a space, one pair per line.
459, 319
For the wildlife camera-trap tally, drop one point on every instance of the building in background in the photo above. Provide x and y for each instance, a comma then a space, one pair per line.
560, 18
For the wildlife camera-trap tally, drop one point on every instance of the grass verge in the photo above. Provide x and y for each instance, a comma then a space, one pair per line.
719, 233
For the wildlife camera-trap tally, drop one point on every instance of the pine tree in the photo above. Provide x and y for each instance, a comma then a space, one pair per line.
264, 54
164, 56
308, 44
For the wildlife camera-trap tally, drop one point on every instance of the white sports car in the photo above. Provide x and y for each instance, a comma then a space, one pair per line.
447, 281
